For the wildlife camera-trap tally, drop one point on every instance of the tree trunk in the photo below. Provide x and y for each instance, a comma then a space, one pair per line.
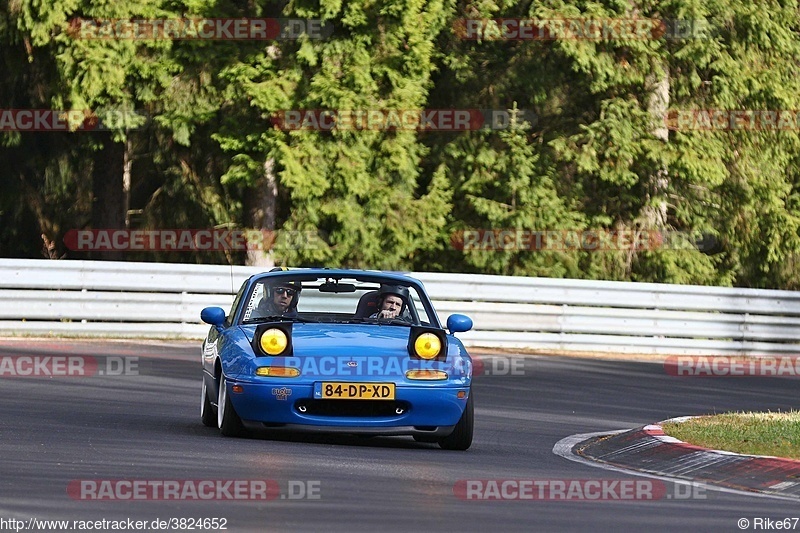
653, 216
127, 164
657, 85
109, 199
260, 209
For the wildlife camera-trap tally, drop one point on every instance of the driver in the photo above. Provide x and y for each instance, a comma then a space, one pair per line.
392, 302
280, 299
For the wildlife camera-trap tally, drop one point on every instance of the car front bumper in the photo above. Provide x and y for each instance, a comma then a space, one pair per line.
428, 409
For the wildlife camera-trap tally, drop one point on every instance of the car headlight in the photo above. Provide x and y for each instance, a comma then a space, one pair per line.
274, 341
427, 346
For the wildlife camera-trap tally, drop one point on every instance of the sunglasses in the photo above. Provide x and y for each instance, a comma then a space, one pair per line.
288, 292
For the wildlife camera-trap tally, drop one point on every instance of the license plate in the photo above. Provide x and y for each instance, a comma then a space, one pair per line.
338, 390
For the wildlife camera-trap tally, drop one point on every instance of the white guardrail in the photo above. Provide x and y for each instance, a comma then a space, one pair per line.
157, 300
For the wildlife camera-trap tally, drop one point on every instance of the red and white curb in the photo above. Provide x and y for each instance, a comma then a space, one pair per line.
647, 451
657, 431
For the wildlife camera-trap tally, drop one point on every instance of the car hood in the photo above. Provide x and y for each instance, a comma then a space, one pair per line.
313, 340
341, 349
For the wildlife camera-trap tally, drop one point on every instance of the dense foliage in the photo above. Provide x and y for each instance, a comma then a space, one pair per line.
586, 147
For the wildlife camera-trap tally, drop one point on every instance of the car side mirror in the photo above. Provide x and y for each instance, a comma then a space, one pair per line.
213, 315
458, 323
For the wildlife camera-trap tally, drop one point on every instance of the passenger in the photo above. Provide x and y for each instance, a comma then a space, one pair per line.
392, 303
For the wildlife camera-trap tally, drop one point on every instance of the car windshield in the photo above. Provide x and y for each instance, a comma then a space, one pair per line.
336, 300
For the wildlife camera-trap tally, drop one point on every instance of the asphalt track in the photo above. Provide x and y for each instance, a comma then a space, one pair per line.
145, 426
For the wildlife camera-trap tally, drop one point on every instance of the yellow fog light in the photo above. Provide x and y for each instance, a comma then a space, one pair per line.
278, 371
427, 346
426, 374
274, 341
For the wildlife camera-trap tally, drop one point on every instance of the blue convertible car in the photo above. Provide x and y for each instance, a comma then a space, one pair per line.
345, 351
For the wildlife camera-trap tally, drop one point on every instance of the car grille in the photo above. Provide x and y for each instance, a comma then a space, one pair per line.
352, 408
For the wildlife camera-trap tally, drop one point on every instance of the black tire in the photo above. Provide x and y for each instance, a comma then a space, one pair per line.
228, 421
461, 437
207, 413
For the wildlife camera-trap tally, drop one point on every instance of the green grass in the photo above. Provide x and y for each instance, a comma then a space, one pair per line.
751, 433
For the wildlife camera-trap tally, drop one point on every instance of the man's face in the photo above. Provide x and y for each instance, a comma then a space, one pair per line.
282, 297
391, 306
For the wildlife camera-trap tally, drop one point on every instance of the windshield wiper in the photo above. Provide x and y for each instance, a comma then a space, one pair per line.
280, 318
379, 321
395, 321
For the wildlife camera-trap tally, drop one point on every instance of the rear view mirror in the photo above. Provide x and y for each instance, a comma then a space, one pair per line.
337, 287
